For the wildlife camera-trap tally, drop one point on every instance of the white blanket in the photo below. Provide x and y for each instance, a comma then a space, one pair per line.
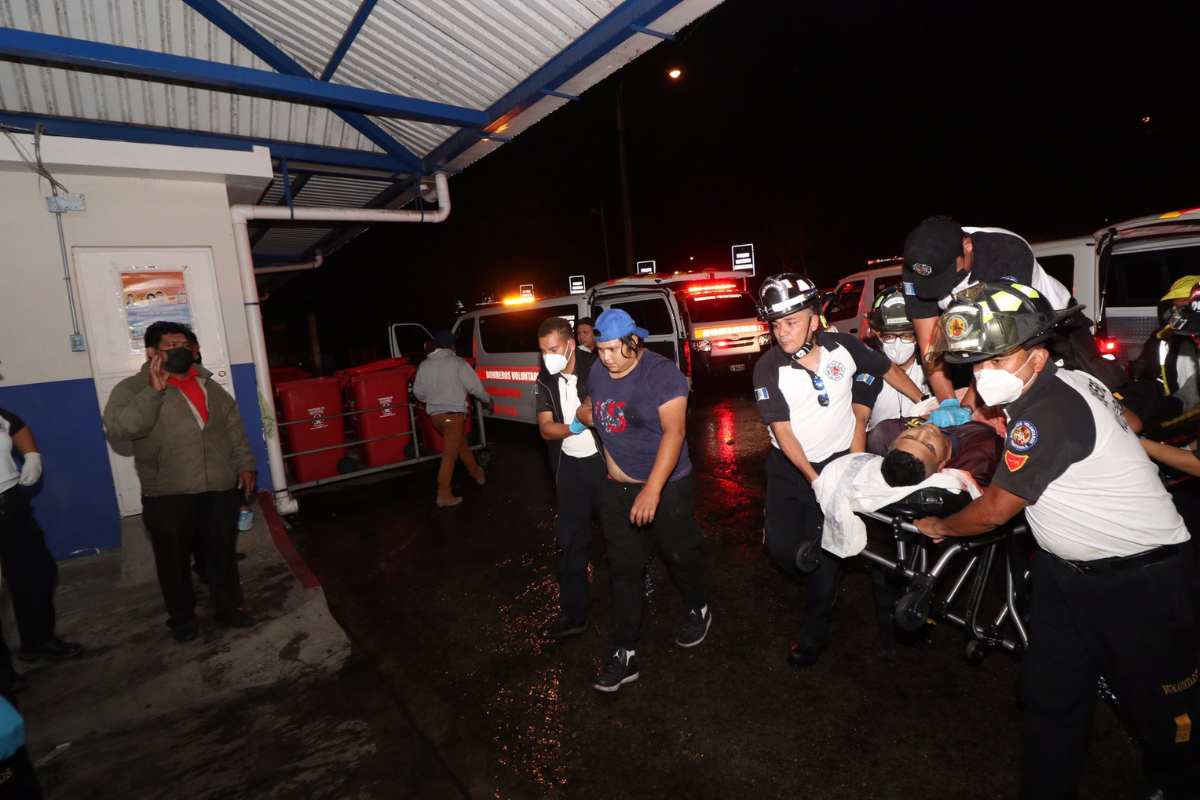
854, 483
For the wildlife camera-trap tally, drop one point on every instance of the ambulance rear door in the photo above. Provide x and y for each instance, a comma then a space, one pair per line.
656, 310
407, 340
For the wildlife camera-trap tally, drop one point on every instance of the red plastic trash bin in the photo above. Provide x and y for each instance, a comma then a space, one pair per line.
287, 374
313, 401
382, 385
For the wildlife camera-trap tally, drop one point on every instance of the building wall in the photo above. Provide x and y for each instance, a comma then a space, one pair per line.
46, 383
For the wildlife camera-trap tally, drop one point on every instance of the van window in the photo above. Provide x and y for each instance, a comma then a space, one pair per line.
846, 306
1061, 268
721, 307
516, 331
651, 314
1140, 279
882, 284
464, 339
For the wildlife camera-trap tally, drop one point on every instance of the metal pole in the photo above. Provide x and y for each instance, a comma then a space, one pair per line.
625, 211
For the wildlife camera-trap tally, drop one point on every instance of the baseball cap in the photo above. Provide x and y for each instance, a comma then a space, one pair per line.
585, 321
1181, 289
615, 323
444, 339
931, 254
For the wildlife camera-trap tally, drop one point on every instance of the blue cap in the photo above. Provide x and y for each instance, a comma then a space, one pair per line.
444, 339
615, 323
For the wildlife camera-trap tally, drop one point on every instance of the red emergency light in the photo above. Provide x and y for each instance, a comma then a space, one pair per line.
710, 288
1107, 345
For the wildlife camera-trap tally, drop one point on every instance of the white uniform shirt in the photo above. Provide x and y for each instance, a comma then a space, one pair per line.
577, 445
889, 403
9, 424
1093, 492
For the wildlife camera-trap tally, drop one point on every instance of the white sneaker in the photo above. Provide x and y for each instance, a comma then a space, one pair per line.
245, 519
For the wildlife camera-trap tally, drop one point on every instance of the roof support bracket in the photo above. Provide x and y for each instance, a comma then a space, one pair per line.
360, 19
552, 93
491, 137
670, 37
287, 186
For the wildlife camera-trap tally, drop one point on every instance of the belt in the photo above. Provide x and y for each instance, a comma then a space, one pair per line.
1104, 565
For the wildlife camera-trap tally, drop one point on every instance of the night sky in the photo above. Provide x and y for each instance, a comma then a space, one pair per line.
821, 133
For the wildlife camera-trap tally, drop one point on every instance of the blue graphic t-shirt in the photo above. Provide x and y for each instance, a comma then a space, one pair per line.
625, 413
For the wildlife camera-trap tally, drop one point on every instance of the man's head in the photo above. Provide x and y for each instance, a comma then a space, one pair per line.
789, 302
556, 344
937, 255
1184, 316
444, 340
163, 337
585, 332
618, 341
916, 455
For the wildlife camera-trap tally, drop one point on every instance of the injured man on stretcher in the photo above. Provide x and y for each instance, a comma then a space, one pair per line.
904, 455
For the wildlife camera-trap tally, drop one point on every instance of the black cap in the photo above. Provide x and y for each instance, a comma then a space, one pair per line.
585, 321
931, 254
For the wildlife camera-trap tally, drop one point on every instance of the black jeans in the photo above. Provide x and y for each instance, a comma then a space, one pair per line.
581, 484
27, 567
674, 532
794, 516
175, 522
1137, 628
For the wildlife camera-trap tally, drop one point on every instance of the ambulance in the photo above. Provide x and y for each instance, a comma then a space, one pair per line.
706, 322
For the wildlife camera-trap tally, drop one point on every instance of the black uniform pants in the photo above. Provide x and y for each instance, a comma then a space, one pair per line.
175, 522
581, 483
794, 516
674, 532
27, 567
1137, 628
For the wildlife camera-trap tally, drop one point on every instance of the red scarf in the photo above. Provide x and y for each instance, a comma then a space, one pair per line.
193, 391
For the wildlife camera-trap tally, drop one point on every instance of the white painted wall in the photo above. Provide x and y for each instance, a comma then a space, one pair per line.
126, 207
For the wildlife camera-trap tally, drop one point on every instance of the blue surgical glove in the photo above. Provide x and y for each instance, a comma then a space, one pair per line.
950, 413
576, 426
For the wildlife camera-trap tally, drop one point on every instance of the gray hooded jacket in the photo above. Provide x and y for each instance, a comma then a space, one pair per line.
443, 382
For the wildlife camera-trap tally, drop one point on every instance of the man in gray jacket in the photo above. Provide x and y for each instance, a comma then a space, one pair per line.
443, 382
192, 457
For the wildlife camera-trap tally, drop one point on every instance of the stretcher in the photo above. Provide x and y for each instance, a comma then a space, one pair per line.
955, 588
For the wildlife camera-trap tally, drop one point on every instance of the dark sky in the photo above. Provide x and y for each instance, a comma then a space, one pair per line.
821, 132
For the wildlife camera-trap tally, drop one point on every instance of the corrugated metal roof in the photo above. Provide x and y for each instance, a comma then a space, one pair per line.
475, 59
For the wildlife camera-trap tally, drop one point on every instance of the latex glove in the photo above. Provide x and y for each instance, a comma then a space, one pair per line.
576, 426
950, 413
32, 469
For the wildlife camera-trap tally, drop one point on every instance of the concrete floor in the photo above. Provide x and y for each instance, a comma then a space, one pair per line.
442, 606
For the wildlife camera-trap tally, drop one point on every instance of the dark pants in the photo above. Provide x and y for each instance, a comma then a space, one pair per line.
581, 484
794, 516
27, 567
674, 532
175, 522
1137, 628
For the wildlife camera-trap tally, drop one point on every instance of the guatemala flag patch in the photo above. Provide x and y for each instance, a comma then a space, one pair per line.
760, 394
864, 377
909, 290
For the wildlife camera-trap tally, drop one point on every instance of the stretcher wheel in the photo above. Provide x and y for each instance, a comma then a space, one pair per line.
483, 457
976, 650
808, 555
912, 610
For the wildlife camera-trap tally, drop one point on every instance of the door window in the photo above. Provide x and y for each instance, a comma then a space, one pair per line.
464, 339
1140, 279
846, 306
651, 314
516, 331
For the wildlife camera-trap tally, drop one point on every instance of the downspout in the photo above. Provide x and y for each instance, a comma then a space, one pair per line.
314, 264
241, 215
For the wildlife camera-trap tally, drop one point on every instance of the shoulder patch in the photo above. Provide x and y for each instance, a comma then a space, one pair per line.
1013, 461
761, 394
865, 377
909, 289
1024, 436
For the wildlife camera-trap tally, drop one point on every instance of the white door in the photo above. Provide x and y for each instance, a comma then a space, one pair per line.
654, 312
124, 290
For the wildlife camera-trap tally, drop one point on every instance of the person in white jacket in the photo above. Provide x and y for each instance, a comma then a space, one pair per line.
443, 382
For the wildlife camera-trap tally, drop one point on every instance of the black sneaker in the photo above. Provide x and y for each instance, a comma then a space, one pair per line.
53, 649
621, 669
695, 628
806, 653
238, 618
563, 626
185, 631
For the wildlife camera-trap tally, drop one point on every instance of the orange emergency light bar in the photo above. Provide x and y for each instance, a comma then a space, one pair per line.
729, 330
517, 301
706, 288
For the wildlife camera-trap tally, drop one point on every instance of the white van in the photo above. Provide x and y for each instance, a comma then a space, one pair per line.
705, 322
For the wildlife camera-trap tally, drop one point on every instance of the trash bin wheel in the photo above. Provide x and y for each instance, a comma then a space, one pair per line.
483, 457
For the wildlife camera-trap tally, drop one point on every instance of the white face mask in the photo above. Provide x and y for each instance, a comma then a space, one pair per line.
556, 363
899, 351
998, 386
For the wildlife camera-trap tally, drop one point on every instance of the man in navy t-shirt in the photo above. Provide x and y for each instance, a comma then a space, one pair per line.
639, 408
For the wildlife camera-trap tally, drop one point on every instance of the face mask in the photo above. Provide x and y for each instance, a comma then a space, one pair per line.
899, 351
179, 360
556, 363
998, 387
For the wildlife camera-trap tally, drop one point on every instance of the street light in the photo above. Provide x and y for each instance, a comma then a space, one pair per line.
675, 73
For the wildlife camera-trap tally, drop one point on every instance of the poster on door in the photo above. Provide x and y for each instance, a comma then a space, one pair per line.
151, 297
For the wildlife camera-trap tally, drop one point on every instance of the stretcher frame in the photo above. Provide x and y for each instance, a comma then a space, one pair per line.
919, 602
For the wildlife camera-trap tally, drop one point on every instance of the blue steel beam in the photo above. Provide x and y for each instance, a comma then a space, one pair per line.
264, 48
62, 51
601, 38
112, 131
360, 18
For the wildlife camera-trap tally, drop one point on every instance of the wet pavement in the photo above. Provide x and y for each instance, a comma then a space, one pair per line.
443, 606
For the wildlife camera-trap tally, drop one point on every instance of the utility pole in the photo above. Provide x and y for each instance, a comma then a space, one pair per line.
625, 212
